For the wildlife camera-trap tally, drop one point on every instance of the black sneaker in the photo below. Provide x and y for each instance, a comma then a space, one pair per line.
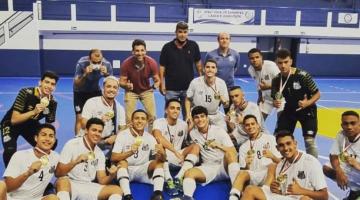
128, 197
157, 195
187, 198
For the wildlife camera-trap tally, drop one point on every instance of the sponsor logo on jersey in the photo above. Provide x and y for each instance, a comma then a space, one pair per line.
301, 175
180, 133
145, 147
296, 85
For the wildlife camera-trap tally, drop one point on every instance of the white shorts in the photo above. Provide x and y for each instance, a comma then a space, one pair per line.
172, 159
213, 172
257, 177
140, 173
218, 120
273, 196
267, 106
85, 190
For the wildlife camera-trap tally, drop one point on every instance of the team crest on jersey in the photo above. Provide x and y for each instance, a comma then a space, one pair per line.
180, 133
231, 58
296, 85
94, 162
52, 169
267, 77
145, 147
301, 175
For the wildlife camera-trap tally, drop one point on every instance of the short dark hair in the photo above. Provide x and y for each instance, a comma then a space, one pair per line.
51, 75
199, 110
250, 116
350, 113
182, 25
43, 126
167, 103
283, 53
254, 50
212, 61
138, 42
94, 120
94, 51
235, 88
139, 111
283, 133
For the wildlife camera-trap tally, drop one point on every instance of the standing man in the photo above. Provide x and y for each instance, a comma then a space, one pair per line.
108, 109
83, 161
30, 171
139, 156
263, 71
219, 156
89, 70
210, 92
31, 105
228, 60
135, 73
177, 61
345, 155
297, 176
300, 93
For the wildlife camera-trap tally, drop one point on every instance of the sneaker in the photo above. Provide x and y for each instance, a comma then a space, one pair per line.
187, 198
128, 197
178, 185
157, 195
170, 188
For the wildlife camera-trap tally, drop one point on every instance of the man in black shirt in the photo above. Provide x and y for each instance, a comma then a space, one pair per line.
30, 106
300, 93
177, 59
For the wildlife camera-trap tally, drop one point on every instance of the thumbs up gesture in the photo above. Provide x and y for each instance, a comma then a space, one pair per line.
304, 103
294, 188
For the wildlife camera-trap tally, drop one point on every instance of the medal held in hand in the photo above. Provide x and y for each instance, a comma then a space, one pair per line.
45, 102
91, 155
138, 140
110, 114
44, 161
278, 96
282, 179
343, 155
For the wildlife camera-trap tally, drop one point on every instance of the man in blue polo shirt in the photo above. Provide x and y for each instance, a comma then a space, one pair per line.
228, 60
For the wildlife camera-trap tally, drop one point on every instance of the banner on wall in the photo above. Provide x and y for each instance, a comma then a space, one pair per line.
224, 16
348, 18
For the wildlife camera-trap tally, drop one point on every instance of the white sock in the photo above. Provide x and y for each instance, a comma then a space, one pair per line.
158, 179
234, 191
233, 170
63, 195
167, 171
189, 186
115, 197
124, 182
189, 162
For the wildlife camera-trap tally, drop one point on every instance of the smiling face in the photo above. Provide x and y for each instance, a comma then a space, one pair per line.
351, 125
201, 122
139, 52
111, 89
93, 133
47, 86
45, 139
287, 147
251, 127
139, 121
210, 69
173, 110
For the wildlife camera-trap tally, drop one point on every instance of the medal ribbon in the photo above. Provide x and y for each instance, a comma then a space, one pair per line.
41, 151
350, 143
215, 90
88, 145
170, 135
283, 169
282, 86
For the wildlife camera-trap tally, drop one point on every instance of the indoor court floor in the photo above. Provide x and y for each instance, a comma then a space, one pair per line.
337, 95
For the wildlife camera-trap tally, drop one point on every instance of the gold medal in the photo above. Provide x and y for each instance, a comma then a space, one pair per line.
343, 156
138, 140
44, 101
278, 96
217, 96
250, 152
44, 161
110, 114
91, 155
281, 178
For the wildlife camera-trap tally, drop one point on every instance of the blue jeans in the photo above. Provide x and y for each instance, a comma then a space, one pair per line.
180, 95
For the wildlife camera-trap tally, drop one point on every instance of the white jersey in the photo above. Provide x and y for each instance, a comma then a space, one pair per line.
201, 94
307, 171
251, 109
85, 171
94, 107
123, 143
264, 142
35, 185
353, 149
175, 134
210, 155
268, 71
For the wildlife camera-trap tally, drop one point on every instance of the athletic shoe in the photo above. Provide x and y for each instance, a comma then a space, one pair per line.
157, 195
128, 197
